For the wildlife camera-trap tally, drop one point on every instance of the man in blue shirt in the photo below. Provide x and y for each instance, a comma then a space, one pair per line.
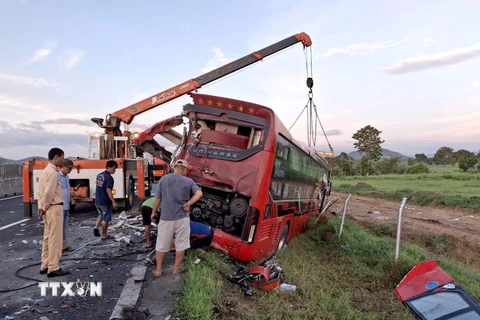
104, 200
201, 237
65, 182
176, 194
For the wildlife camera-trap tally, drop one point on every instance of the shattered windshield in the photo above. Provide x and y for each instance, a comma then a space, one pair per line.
220, 134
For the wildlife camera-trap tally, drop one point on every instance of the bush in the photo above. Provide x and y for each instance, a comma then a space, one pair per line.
418, 168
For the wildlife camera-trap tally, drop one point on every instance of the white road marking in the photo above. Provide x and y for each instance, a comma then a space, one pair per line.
13, 224
131, 290
4, 199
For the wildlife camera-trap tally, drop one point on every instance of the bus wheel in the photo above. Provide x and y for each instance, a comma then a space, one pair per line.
283, 238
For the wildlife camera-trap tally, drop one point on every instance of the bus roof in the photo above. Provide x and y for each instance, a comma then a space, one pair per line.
257, 110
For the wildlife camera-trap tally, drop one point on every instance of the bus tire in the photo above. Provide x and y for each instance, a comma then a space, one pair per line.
283, 238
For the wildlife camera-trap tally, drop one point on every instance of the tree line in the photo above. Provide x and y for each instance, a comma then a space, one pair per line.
369, 143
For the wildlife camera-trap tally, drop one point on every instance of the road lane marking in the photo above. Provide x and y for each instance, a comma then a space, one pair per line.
13, 224
131, 290
9, 198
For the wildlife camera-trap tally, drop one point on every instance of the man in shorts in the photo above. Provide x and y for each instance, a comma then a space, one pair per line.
201, 237
176, 193
104, 200
146, 210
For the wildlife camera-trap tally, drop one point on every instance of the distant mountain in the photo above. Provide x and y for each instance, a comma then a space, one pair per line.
385, 154
10, 161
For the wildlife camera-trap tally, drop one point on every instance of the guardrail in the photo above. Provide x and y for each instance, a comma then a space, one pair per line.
8, 171
10, 180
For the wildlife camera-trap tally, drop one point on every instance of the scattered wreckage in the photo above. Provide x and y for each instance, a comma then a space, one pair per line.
431, 293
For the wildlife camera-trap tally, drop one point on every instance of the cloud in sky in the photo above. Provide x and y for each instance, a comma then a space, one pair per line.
362, 48
428, 41
434, 61
463, 118
8, 102
218, 60
14, 136
71, 58
42, 53
476, 84
29, 81
332, 132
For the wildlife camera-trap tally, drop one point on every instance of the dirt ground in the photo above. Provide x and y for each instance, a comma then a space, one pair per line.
450, 231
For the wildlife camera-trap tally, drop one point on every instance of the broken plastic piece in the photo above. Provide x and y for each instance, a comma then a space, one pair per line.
287, 287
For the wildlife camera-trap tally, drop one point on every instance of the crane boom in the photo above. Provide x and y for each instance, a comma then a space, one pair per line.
127, 114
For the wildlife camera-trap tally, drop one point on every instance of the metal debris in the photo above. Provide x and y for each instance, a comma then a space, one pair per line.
117, 225
23, 309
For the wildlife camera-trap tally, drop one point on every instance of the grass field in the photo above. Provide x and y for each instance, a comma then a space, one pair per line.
447, 185
351, 278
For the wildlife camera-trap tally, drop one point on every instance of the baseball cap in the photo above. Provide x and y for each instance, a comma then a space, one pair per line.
182, 163
68, 163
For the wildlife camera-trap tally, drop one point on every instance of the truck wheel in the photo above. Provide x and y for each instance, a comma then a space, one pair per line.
131, 195
283, 238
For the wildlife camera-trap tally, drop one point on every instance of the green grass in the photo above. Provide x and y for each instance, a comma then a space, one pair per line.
202, 287
349, 278
447, 186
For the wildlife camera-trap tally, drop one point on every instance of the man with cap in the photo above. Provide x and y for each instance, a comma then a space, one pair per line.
176, 193
66, 168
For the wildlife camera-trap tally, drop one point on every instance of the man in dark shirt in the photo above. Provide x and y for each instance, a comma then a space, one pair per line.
104, 200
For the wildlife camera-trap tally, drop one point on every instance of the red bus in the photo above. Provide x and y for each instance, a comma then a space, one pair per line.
260, 186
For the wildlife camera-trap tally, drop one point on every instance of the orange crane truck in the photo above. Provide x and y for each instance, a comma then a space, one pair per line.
136, 174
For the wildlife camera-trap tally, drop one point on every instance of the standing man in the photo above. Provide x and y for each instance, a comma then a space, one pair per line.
50, 205
176, 193
65, 182
104, 200
146, 210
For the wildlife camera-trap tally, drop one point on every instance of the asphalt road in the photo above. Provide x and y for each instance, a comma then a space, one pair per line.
15, 254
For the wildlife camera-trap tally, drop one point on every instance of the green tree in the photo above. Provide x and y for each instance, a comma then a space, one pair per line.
421, 157
466, 159
444, 156
345, 164
370, 145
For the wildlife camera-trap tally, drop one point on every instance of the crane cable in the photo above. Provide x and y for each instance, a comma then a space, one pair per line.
312, 120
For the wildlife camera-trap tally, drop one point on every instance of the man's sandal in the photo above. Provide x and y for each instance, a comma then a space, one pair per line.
156, 274
178, 273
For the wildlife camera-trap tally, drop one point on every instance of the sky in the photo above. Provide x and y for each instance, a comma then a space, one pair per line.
409, 68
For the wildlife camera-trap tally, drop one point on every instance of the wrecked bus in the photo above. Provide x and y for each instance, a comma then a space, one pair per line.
260, 186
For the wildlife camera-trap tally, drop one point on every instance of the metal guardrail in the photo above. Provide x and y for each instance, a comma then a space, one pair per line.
8, 171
